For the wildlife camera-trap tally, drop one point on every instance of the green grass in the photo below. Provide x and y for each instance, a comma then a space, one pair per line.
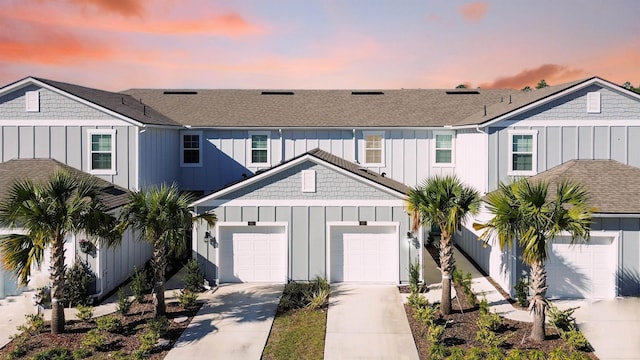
297, 334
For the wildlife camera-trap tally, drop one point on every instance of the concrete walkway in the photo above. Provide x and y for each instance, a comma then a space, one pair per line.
367, 322
234, 323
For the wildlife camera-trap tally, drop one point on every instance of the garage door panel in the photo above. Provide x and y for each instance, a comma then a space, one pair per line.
364, 256
254, 254
582, 271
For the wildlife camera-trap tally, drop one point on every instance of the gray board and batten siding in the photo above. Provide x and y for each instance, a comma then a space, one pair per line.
307, 223
565, 131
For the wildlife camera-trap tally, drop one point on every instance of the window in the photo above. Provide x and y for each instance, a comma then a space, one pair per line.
259, 149
373, 147
32, 101
190, 148
522, 152
443, 148
102, 158
593, 102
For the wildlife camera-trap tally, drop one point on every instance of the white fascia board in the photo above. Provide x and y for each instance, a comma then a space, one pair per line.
303, 202
276, 170
613, 215
293, 128
31, 80
595, 80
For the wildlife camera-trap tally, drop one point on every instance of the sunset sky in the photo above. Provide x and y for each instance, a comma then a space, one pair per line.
309, 44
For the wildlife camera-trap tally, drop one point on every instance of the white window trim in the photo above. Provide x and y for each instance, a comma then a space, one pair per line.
32, 101
364, 148
250, 163
182, 163
453, 149
534, 158
90, 134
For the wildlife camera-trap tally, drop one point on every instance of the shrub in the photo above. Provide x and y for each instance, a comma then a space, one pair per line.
483, 306
494, 353
490, 339
124, 304
319, 299
299, 295
34, 324
416, 300
148, 341
187, 298
20, 348
81, 354
77, 280
57, 353
438, 352
490, 321
561, 319
576, 355
558, 354
456, 353
84, 313
414, 277
426, 315
435, 333
522, 291
109, 323
140, 284
159, 325
537, 355
194, 279
516, 354
474, 354
93, 339
575, 339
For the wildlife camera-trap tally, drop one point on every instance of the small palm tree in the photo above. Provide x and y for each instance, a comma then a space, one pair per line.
525, 212
48, 213
445, 202
162, 216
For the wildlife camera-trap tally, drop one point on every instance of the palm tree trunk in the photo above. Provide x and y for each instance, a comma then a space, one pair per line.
447, 263
57, 286
538, 303
159, 265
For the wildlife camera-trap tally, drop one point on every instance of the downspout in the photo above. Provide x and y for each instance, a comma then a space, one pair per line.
355, 147
281, 146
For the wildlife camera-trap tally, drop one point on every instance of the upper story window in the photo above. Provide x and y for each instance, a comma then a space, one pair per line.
259, 145
373, 148
443, 148
102, 151
522, 152
191, 148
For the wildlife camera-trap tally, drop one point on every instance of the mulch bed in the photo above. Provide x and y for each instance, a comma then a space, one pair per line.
126, 341
461, 328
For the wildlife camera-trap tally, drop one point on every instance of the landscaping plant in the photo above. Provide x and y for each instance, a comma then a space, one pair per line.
414, 277
194, 278
124, 304
522, 291
139, 284
77, 278
93, 339
85, 313
109, 323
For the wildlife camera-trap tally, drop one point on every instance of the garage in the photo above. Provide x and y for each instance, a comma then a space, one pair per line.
364, 254
582, 271
253, 254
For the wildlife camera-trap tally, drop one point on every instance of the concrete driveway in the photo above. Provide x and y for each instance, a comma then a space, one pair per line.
233, 324
367, 322
612, 327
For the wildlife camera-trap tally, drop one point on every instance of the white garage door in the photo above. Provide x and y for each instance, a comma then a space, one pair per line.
253, 254
364, 254
582, 271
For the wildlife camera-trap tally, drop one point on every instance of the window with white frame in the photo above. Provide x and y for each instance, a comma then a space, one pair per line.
373, 147
102, 151
191, 148
443, 152
259, 148
593, 102
522, 153
32, 101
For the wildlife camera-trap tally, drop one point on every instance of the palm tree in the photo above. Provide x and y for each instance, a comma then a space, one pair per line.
525, 212
48, 213
162, 216
445, 202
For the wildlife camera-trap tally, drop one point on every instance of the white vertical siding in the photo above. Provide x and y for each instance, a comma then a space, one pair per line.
472, 159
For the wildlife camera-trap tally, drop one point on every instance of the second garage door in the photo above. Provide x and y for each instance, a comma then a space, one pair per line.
253, 254
367, 254
582, 271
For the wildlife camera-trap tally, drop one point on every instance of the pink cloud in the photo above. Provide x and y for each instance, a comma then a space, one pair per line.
122, 7
553, 74
474, 11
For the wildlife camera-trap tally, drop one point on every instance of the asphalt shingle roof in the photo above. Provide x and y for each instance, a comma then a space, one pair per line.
614, 187
319, 108
120, 103
39, 171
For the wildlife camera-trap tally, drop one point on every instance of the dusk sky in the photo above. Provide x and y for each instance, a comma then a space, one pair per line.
308, 44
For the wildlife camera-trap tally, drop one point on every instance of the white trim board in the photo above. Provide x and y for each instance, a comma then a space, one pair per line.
303, 202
